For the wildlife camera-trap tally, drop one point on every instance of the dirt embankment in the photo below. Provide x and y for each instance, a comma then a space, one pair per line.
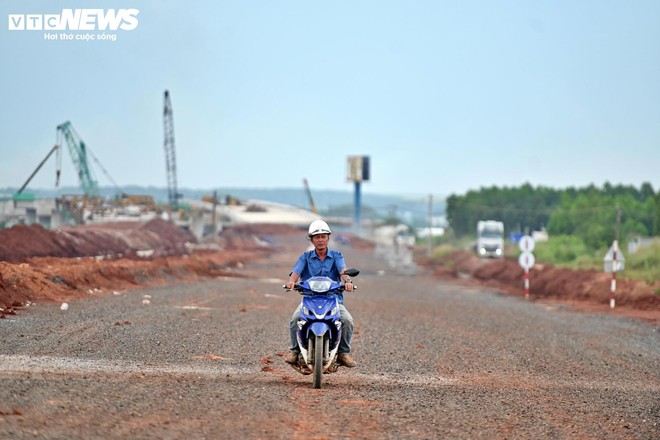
41, 265
549, 282
37, 264
125, 239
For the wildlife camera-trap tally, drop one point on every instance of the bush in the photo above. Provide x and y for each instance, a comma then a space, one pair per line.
571, 251
644, 264
443, 250
561, 249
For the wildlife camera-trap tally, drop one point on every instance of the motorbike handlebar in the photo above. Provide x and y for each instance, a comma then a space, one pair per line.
298, 289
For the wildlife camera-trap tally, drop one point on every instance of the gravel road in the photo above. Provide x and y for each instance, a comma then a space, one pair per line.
435, 360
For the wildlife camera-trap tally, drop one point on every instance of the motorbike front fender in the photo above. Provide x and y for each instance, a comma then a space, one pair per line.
318, 329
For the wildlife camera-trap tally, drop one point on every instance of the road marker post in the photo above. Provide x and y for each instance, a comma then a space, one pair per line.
614, 261
526, 259
613, 283
526, 283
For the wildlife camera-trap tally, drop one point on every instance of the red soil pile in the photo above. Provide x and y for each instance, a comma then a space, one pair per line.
113, 239
547, 281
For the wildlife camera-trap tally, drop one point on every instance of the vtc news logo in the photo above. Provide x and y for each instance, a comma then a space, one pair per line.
76, 20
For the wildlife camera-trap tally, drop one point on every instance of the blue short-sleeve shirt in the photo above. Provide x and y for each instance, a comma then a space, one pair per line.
310, 265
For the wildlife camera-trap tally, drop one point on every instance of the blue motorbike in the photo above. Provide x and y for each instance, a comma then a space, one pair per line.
319, 327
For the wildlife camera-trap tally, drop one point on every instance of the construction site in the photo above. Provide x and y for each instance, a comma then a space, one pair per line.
127, 239
203, 217
129, 230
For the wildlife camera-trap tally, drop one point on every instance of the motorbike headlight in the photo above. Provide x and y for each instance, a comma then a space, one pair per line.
333, 311
320, 285
305, 310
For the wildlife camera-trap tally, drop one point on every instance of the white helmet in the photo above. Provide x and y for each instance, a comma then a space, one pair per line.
318, 227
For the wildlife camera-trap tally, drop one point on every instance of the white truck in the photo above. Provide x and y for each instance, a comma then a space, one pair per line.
490, 238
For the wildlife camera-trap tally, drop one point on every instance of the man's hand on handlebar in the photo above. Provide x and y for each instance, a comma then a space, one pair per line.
291, 285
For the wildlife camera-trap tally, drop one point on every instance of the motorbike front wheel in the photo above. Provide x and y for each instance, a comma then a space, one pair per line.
318, 361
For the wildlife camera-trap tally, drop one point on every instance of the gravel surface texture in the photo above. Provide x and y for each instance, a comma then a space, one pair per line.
435, 360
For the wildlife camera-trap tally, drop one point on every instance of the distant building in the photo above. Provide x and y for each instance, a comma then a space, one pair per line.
641, 242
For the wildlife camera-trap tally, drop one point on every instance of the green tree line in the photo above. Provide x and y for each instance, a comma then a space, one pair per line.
587, 213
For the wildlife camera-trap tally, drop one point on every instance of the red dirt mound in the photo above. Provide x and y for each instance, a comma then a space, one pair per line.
113, 239
43, 265
61, 279
549, 282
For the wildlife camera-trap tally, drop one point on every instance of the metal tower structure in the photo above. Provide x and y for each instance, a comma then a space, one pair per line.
170, 156
79, 155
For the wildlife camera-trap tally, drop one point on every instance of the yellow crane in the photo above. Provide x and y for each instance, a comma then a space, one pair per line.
312, 206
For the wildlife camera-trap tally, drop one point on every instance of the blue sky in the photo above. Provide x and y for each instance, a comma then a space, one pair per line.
443, 96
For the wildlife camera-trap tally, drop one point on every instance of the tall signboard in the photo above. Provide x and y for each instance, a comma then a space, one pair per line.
358, 168
358, 171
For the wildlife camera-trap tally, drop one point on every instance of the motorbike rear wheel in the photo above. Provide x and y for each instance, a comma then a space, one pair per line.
318, 361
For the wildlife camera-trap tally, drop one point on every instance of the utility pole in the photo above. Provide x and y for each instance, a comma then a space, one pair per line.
615, 250
170, 156
213, 215
430, 237
618, 223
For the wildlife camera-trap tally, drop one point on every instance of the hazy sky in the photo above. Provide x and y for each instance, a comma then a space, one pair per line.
444, 96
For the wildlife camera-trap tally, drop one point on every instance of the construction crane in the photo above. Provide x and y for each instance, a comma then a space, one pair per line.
312, 206
79, 154
170, 156
56, 148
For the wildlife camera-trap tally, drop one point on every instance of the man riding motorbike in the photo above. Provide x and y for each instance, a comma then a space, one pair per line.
322, 261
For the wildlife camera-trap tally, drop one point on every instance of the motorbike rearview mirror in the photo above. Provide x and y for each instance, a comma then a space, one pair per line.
352, 272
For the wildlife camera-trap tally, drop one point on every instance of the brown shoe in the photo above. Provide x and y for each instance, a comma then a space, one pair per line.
346, 360
292, 358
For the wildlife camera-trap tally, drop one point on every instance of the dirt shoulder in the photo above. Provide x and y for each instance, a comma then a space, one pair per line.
41, 265
586, 290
